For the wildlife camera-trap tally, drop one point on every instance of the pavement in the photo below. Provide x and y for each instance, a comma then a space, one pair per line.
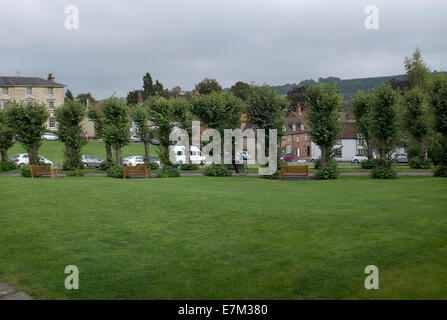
9, 292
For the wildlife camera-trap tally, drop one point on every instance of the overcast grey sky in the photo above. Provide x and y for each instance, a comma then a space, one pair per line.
180, 42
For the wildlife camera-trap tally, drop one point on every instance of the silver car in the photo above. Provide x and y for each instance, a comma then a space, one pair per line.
91, 161
401, 158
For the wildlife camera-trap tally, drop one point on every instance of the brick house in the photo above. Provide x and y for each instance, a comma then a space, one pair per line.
296, 140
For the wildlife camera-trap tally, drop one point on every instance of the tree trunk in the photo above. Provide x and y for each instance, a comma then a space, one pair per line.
118, 155
108, 152
4, 153
146, 152
369, 149
33, 154
323, 156
421, 149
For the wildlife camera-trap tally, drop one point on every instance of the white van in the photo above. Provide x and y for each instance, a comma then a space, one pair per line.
196, 156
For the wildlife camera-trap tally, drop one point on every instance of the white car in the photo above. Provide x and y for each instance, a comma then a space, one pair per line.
357, 158
49, 136
21, 159
196, 156
133, 161
135, 138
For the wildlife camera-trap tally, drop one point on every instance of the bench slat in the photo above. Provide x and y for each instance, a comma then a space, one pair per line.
137, 171
294, 171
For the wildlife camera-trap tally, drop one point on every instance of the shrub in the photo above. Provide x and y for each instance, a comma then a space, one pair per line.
189, 166
152, 165
384, 169
218, 170
7, 165
330, 172
106, 165
115, 171
75, 173
415, 163
26, 171
277, 174
168, 172
68, 167
441, 171
317, 164
368, 164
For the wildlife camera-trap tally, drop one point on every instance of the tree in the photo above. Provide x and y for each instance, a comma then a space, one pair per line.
69, 95
148, 86
116, 128
175, 92
361, 107
296, 97
28, 121
69, 118
240, 89
132, 97
417, 71
6, 136
96, 115
140, 116
416, 118
159, 90
86, 99
325, 102
207, 86
438, 102
384, 125
401, 85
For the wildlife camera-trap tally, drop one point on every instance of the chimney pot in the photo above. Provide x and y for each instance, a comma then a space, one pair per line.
51, 77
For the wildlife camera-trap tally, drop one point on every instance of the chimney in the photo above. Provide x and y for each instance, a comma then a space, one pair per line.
51, 77
140, 98
298, 108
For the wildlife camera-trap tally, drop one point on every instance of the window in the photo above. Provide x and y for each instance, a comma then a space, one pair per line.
338, 142
298, 152
288, 149
304, 150
5, 91
51, 105
294, 127
338, 153
50, 91
5, 104
179, 153
298, 139
305, 138
289, 138
29, 91
302, 126
52, 122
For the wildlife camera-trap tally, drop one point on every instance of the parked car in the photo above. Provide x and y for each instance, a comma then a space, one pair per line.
49, 136
133, 161
91, 161
358, 157
154, 159
22, 159
287, 157
155, 142
400, 158
135, 138
196, 156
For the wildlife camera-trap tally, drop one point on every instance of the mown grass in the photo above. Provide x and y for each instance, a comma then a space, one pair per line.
225, 238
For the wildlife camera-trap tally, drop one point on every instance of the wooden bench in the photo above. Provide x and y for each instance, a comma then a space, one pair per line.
138, 171
43, 171
294, 171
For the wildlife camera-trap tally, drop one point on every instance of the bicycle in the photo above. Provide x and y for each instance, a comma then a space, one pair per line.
242, 168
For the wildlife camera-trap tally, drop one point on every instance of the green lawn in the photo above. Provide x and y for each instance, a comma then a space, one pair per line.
225, 238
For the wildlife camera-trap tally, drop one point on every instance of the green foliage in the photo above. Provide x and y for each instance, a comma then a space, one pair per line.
115, 171
368, 164
6, 135
152, 165
148, 86
440, 171
361, 107
330, 172
7, 165
75, 173
70, 131
384, 169
132, 97
86, 99
415, 113
26, 171
217, 170
28, 122
106, 165
384, 125
266, 109
69, 95
168, 172
140, 116
415, 163
69, 166
206, 86
189, 166
417, 71
240, 89
438, 101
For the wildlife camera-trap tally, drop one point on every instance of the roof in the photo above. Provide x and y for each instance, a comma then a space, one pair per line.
28, 82
348, 131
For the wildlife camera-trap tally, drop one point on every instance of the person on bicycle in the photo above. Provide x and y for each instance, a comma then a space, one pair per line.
238, 157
